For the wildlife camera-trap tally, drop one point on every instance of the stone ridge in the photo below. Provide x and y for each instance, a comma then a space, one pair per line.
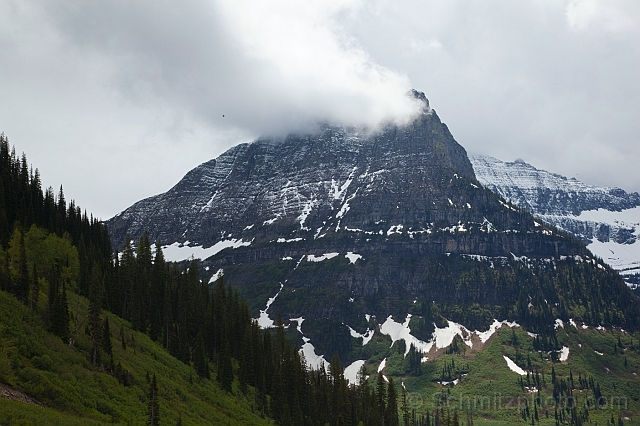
545, 193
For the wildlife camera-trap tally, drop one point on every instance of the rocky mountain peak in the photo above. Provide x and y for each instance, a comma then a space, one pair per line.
339, 176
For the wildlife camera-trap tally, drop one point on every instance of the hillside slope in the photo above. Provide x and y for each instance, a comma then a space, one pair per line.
68, 390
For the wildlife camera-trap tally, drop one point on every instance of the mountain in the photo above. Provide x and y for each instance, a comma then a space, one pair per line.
606, 219
340, 186
334, 228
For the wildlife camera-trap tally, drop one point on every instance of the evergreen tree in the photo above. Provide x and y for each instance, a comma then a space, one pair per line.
225, 368
199, 358
106, 337
153, 408
23, 282
95, 302
391, 411
34, 288
381, 395
157, 294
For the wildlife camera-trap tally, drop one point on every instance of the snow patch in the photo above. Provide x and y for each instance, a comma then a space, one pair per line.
270, 221
291, 240
558, 323
263, 320
337, 192
326, 256
398, 331
299, 320
351, 372
514, 367
564, 354
314, 360
485, 335
443, 337
345, 207
177, 252
395, 229
353, 257
382, 365
366, 337
216, 276
306, 211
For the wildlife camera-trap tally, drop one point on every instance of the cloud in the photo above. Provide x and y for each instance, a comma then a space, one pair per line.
614, 16
268, 67
118, 99
515, 79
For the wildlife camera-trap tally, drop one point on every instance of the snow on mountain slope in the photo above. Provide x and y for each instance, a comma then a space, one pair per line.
607, 219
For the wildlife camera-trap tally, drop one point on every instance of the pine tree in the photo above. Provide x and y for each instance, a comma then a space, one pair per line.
63, 313
95, 302
278, 398
23, 282
199, 358
34, 289
381, 395
154, 405
391, 411
107, 347
225, 368
157, 294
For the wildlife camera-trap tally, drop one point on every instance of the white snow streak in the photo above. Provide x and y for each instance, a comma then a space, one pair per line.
264, 321
215, 277
514, 367
326, 256
177, 252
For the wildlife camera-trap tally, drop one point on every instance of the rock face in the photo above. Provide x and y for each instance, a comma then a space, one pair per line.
309, 184
607, 219
414, 181
346, 224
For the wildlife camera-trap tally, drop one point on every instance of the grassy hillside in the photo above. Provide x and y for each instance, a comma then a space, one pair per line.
495, 395
70, 390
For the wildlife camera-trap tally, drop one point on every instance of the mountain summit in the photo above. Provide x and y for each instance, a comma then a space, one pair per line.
414, 180
340, 227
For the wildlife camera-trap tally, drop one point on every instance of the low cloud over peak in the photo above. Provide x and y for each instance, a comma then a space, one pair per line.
263, 67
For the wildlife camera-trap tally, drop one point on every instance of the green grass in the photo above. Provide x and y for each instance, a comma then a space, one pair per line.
493, 393
73, 391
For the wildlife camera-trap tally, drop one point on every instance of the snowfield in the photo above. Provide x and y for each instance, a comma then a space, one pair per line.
177, 252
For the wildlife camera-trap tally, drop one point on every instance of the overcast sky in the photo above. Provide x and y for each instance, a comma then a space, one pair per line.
117, 100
